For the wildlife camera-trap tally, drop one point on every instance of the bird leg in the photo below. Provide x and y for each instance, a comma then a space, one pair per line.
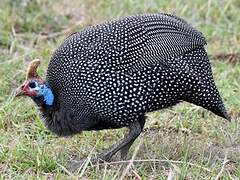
125, 149
123, 145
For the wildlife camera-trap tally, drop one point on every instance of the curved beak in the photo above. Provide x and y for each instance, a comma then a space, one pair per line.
19, 92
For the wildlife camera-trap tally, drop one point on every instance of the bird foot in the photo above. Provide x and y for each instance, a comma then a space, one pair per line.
76, 165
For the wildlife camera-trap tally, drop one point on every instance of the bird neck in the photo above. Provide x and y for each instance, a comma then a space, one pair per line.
45, 97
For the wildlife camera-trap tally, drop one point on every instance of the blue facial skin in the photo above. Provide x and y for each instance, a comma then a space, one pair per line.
44, 93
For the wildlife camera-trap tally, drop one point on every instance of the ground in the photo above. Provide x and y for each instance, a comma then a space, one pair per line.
183, 142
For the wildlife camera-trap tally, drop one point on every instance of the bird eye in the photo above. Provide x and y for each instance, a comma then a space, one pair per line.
32, 84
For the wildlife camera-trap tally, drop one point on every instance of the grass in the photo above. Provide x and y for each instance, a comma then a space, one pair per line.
189, 142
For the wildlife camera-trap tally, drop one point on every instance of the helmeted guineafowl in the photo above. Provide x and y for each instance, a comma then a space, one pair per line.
109, 75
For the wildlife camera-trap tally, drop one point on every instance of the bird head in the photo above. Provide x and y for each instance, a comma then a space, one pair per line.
35, 87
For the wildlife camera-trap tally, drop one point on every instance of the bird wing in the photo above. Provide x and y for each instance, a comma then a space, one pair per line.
156, 38
129, 43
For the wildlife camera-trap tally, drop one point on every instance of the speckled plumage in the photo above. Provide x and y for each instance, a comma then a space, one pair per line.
109, 75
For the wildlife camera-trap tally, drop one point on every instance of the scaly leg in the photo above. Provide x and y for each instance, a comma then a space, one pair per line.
125, 149
134, 131
123, 145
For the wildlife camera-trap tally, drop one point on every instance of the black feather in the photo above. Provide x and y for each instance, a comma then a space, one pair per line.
109, 75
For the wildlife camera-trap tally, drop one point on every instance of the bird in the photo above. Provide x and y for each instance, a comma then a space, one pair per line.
109, 75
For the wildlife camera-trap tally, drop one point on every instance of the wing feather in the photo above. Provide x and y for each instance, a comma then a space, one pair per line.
156, 38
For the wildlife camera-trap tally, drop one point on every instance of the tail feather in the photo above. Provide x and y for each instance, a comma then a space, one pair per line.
202, 90
208, 98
